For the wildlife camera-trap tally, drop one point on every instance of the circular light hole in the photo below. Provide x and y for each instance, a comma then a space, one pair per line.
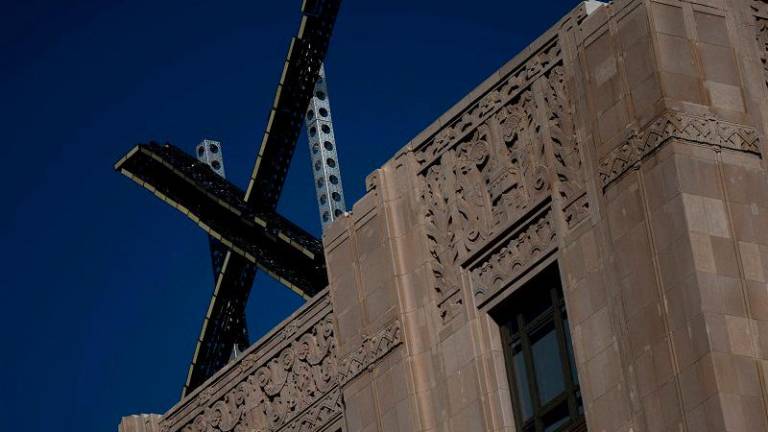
323, 199
312, 131
331, 163
323, 112
336, 196
317, 166
310, 115
328, 145
319, 182
216, 165
315, 148
337, 212
326, 216
213, 148
333, 179
200, 150
320, 95
325, 128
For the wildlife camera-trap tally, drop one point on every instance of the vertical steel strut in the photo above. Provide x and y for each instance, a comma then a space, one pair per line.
322, 149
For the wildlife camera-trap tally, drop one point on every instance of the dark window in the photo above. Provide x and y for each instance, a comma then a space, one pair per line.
539, 356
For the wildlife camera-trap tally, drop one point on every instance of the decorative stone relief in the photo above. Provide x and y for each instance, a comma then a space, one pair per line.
477, 113
291, 383
488, 168
512, 256
476, 189
760, 10
319, 415
284, 390
372, 350
703, 130
567, 162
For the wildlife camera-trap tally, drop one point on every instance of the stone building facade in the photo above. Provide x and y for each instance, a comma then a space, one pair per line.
581, 243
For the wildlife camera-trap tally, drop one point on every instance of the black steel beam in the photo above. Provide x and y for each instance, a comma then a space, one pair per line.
224, 325
215, 204
300, 71
266, 239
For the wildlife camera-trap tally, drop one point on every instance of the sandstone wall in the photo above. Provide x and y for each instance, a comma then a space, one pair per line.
625, 145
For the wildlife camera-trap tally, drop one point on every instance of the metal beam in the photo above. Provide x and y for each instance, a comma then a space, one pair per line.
300, 72
225, 327
266, 239
257, 235
326, 169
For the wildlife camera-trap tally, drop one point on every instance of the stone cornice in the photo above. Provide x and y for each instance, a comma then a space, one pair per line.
373, 349
513, 254
707, 130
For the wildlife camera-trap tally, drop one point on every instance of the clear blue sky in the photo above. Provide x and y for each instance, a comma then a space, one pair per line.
105, 287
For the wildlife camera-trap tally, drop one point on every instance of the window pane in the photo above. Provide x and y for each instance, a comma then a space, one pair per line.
537, 303
523, 395
538, 349
556, 418
547, 363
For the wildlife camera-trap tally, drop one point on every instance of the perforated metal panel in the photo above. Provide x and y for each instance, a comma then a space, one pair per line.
322, 149
209, 152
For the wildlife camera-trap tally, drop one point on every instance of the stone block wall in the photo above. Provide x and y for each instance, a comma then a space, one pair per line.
140, 423
624, 145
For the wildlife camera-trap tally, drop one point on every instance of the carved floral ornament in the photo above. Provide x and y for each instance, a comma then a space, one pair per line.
296, 390
760, 10
503, 157
475, 189
501, 94
514, 256
279, 390
704, 130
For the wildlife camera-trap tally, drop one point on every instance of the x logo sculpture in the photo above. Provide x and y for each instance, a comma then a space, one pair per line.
253, 235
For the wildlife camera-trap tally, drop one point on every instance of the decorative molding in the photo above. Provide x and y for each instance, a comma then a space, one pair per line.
319, 415
289, 383
475, 190
566, 160
273, 394
451, 306
760, 10
479, 174
277, 379
512, 256
704, 130
373, 349
502, 93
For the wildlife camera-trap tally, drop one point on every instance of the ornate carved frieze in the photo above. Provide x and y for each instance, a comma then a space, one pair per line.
277, 393
566, 162
508, 89
319, 415
760, 10
485, 170
477, 188
371, 351
703, 130
512, 256
291, 382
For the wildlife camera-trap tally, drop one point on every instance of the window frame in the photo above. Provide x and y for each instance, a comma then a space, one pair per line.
519, 340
